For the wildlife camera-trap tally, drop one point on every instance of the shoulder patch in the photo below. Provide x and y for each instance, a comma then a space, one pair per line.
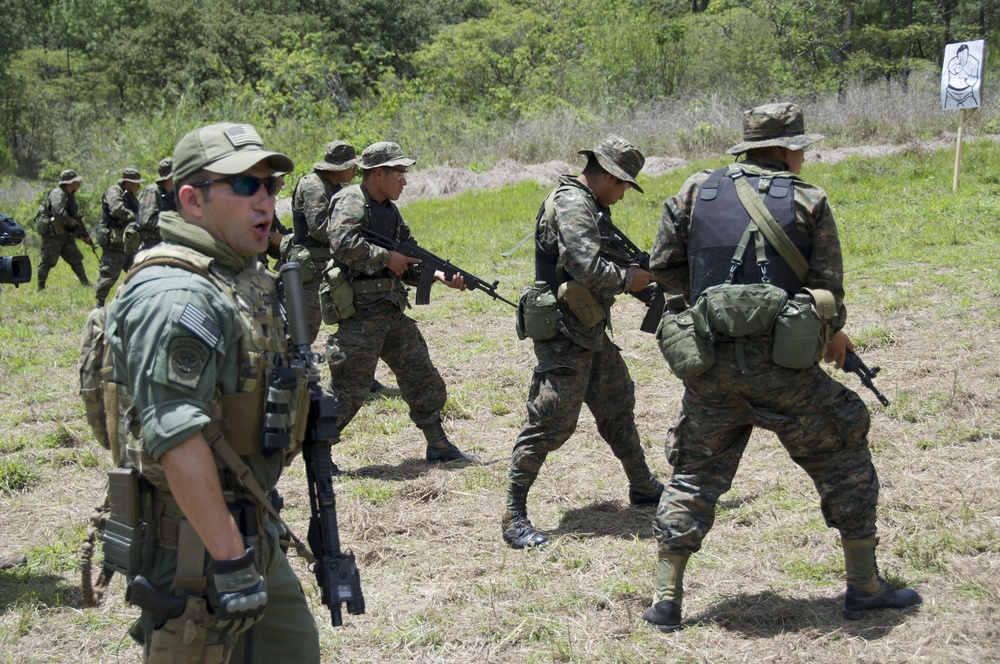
186, 360
200, 325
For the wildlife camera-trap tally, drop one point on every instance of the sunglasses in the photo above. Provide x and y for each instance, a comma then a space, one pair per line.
247, 185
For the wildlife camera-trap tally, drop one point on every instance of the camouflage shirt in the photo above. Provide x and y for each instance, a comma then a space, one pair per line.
63, 207
312, 197
814, 217
575, 235
151, 203
118, 206
363, 258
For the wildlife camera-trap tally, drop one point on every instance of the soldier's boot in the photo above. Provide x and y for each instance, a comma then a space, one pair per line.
517, 529
665, 614
866, 590
439, 448
643, 488
41, 284
81, 274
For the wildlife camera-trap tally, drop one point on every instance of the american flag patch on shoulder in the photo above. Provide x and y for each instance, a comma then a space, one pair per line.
200, 325
241, 135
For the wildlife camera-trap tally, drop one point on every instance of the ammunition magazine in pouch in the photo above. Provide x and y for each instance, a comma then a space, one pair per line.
128, 545
582, 303
336, 295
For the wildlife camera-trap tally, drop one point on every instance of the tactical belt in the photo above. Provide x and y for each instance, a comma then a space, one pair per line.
378, 285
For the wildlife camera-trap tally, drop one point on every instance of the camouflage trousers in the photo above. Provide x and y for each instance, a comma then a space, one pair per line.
56, 247
286, 633
566, 377
114, 260
822, 424
384, 332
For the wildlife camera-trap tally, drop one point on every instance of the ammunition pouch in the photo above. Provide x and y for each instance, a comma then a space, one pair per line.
686, 342
537, 313
131, 238
128, 538
802, 329
301, 255
336, 295
103, 235
742, 310
582, 303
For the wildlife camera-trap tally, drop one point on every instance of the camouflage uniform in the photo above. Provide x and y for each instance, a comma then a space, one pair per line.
154, 199
580, 365
119, 208
60, 241
187, 342
822, 424
379, 328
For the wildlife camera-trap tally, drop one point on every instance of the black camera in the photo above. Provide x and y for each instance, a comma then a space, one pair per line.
13, 269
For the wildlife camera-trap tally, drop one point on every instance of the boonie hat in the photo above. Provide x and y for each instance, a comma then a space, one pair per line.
773, 125
384, 155
618, 157
131, 174
226, 149
337, 156
69, 175
165, 169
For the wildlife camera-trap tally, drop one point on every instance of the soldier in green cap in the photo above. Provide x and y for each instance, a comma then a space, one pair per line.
118, 209
59, 238
154, 199
577, 363
311, 207
703, 240
195, 333
379, 328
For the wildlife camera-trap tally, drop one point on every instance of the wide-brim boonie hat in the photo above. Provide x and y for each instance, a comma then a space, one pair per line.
337, 156
165, 169
69, 176
384, 155
774, 125
618, 157
226, 149
131, 174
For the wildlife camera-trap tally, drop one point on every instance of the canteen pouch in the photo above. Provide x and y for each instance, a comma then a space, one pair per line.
582, 303
301, 255
740, 310
336, 296
42, 219
537, 313
130, 236
102, 235
686, 343
802, 329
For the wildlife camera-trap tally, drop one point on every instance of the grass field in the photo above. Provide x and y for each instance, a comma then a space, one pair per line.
923, 283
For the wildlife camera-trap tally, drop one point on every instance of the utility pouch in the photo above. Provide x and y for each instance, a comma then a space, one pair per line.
537, 313
183, 639
336, 296
102, 235
131, 238
802, 330
126, 544
301, 255
740, 310
582, 303
42, 220
686, 342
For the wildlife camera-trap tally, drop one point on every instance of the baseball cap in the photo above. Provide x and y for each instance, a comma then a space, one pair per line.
225, 148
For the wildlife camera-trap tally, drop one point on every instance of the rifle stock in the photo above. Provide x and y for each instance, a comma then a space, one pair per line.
336, 570
430, 263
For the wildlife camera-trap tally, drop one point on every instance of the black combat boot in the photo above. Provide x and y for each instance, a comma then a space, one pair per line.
644, 489
517, 529
665, 616
866, 589
439, 448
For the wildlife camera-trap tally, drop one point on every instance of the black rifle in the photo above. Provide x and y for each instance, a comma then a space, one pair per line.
625, 251
336, 571
429, 264
854, 364
80, 232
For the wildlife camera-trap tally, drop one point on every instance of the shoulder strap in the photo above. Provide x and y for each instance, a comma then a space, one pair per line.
768, 226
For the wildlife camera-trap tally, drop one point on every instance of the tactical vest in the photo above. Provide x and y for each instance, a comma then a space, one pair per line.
300, 227
718, 221
131, 202
382, 219
547, 267
239, 416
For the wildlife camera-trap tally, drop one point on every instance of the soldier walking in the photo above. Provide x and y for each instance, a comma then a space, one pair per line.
119, 207
59, 239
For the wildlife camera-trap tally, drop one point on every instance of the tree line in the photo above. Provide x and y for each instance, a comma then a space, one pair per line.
124, 78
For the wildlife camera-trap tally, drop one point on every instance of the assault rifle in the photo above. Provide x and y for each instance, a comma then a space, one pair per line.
854, 364
336, 571
430, 263
623, 248
80, 232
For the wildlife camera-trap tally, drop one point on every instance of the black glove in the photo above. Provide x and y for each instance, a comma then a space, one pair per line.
242, 595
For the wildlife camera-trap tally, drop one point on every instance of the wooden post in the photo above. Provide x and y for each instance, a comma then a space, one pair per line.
963, 113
